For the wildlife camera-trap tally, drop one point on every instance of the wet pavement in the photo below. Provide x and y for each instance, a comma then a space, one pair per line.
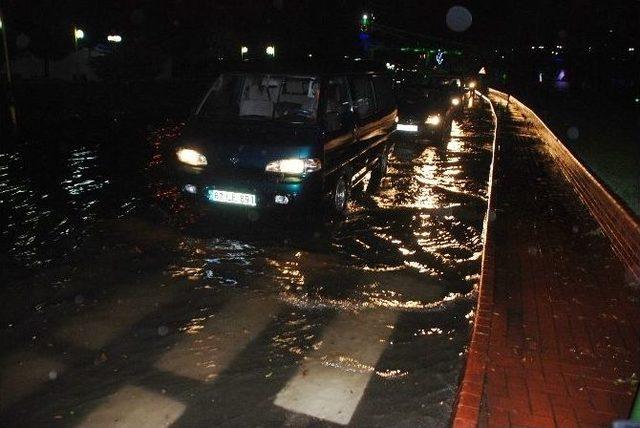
116, 313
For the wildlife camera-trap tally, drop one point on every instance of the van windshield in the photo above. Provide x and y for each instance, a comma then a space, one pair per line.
292, 99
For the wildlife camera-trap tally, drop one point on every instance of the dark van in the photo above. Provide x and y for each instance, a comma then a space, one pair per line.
269, 135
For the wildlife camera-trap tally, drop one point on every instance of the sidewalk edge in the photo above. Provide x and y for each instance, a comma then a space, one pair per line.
468, 402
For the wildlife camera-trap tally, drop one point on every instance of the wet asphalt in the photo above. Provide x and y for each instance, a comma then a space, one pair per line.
124, 307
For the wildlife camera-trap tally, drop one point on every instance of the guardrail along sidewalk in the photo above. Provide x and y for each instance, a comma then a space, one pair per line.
557, 335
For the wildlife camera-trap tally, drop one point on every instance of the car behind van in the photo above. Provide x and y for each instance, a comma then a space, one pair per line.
284, 135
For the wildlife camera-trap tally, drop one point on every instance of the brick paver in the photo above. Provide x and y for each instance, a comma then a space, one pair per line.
559, 340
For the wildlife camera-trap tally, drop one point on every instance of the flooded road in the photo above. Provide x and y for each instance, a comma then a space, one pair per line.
144, 320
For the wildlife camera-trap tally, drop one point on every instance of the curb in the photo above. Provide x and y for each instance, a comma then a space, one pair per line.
467, 407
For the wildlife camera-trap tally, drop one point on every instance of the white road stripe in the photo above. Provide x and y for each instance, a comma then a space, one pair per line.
134, 407
210, 345
331, 382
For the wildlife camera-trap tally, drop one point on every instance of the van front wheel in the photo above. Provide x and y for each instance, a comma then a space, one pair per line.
340, 196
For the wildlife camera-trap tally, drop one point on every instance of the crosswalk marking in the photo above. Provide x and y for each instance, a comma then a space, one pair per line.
331, 382
211, 346
134, 407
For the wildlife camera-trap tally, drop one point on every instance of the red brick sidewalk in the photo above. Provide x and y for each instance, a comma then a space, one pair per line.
557, 335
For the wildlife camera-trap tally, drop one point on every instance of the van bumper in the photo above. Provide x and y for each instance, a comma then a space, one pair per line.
270, 191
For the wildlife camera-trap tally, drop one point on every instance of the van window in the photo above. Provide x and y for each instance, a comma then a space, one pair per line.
384, 93
362, 93
338, 105
292, 99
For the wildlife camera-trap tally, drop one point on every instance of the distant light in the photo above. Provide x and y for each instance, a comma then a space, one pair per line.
114, 38
190, 188
440, 57
561, 75
310, 55
271, 50
0, 24
540, 77
244, 50
78, 34
365, 17
433, 120
558, 46
482, 71
472, 85
533, 48
637, 100
632, 49
281, 199
540, 47
455, 101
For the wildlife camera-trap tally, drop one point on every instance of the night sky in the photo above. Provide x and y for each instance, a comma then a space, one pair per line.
313, 26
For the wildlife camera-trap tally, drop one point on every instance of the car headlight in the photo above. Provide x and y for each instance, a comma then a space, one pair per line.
433, 119
191, 157
294, 166
455, 101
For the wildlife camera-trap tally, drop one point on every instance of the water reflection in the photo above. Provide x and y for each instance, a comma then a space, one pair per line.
52, 192
413, 246
263, 313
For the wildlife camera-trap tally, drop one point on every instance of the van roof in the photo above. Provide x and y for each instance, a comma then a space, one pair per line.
310, 67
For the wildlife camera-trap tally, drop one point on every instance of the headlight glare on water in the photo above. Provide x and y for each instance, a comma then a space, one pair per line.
191, 157
294, 166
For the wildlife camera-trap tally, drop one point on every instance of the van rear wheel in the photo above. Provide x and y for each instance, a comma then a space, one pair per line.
378, 173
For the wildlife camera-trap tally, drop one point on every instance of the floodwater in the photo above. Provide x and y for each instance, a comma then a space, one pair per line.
122, 307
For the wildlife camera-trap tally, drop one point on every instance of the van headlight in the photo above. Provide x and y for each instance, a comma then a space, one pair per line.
191, 157
294, 166
433, 120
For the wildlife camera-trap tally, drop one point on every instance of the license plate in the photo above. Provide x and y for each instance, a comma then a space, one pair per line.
407, 128
236, 198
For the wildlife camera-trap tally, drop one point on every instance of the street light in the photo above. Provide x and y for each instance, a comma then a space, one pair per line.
78, 34
243, 51
365, 22
7, 64
271, 51
114, 38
